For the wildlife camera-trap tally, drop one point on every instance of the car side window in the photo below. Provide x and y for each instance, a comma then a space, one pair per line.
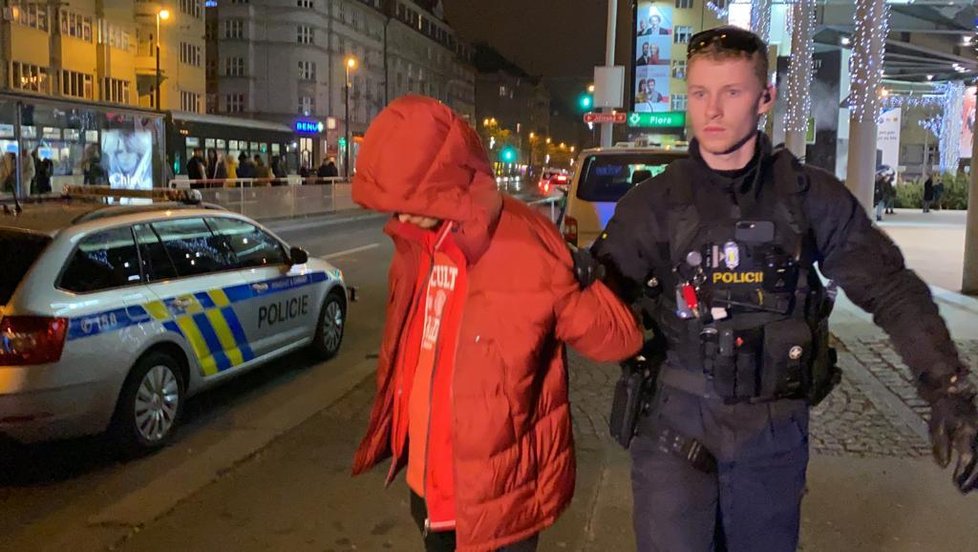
252, 246
193, 248
157, 264
103, 260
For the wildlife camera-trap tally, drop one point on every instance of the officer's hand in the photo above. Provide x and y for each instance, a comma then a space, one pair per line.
954, 428
587, 269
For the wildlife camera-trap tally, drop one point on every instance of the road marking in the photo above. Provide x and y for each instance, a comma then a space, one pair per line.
349, 251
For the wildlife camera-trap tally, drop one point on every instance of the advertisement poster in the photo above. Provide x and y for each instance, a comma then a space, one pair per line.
968, 122
653, 47
888, 137
127, 158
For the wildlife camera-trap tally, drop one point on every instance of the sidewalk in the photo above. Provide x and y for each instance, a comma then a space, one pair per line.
872, 485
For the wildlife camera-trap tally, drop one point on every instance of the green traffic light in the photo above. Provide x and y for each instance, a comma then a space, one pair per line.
508, 154
585, 101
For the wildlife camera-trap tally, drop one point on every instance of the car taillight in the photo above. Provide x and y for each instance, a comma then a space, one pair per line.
561, 178
28, 340
570, 230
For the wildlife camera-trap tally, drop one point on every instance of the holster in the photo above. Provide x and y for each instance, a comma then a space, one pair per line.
633, 397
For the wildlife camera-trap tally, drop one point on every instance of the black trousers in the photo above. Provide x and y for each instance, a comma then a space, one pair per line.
444, 541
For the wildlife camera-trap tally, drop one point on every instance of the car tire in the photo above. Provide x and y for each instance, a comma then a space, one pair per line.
149, 406
329, 330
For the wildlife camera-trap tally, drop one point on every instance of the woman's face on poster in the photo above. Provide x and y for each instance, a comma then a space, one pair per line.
127, 157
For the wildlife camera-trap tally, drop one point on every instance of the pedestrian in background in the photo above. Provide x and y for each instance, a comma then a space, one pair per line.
938, 193
928, 193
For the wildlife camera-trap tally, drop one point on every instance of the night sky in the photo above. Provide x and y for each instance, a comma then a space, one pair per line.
561, 40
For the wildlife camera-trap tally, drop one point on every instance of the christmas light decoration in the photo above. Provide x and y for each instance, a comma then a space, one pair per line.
760, 19
866, 65
800, 70
950, 136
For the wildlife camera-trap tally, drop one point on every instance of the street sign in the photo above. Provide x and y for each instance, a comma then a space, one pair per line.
665, 119
615, 117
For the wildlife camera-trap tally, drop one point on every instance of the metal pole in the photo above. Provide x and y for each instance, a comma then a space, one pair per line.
969, 282
607, 129
386, 82
346, 149
18, 126
158, 79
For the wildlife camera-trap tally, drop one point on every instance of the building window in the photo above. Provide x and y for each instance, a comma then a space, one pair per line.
115, 90
34, 16
306, 105
191, 7
304, 3
75, 25
234, 103
679, 102
234, 67
29, 77
502, 91
304, 34
190, 54
76, 85
115, 36
189, 101
679, 69
307, 70
684, 4
682, 34
233, 28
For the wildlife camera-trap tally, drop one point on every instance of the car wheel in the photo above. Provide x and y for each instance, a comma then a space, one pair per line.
329, 330
149, 405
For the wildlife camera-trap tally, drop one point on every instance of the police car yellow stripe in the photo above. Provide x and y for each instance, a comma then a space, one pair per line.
220, 298
190, 330
157, 310
223, 332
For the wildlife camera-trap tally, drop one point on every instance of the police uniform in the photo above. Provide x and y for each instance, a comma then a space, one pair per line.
723, 264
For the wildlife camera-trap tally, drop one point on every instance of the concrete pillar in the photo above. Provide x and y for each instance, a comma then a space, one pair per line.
969, 283
800, 76
866, 67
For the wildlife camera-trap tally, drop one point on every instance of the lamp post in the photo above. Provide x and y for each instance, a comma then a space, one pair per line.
350, 65
163, 14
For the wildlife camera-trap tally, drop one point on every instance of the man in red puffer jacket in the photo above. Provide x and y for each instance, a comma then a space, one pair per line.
472, 376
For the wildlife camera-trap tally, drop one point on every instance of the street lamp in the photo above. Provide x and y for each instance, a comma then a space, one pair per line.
162, 15
350, 65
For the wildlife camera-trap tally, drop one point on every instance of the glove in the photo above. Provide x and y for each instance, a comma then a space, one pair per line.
954, 428
587, 269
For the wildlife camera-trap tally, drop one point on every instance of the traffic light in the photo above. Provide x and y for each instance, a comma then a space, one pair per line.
508, 154
585, 101
341, 142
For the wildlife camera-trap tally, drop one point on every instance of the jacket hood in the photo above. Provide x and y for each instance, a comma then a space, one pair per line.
418, 157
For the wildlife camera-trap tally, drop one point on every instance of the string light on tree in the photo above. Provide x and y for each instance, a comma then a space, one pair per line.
865, 69
760, 19
800, 72
950, 135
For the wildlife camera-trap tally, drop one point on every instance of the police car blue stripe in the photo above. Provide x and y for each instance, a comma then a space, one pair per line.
246, 291
213, 343
105, 321
238, 332
205, 300
171, 326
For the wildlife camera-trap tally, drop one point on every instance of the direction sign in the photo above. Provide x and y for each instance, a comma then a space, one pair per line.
665, 119
615, 117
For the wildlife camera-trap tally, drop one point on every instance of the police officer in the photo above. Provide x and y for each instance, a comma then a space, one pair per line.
720, 249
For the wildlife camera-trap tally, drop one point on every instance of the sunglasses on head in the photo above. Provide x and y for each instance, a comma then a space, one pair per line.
728, 38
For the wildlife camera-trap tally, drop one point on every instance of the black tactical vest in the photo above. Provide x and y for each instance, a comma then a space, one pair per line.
743, 302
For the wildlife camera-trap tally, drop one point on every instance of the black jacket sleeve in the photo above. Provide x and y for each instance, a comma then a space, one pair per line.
870, 268
631, 246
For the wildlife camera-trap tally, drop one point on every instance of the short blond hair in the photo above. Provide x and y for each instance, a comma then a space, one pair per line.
716, 52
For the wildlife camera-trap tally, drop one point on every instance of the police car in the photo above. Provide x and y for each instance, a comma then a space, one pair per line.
112, 316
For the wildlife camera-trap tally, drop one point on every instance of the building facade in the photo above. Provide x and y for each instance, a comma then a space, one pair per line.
286, 61
78, 87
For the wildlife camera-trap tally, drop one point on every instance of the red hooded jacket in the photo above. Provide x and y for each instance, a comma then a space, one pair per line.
512, 447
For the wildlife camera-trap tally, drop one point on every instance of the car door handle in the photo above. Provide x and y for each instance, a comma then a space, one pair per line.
183, 303
260, 288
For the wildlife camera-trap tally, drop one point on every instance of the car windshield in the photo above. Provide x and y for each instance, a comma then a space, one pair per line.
18, 251
606, 178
